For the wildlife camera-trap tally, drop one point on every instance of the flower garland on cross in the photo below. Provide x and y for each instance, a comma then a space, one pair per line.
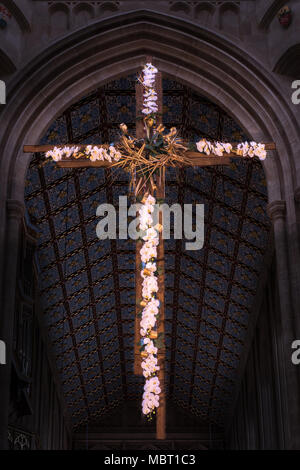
144, 158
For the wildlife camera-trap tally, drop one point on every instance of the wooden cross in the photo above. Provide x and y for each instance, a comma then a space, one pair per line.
195, 159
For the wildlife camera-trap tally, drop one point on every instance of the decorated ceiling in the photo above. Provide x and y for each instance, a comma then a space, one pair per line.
87, 286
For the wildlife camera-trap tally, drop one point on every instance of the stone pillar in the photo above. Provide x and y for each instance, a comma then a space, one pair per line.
286, 329
297, 201
15, 213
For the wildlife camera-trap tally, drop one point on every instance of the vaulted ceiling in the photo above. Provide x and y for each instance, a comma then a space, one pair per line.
87, 285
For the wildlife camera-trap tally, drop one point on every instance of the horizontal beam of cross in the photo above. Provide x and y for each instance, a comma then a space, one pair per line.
195, 159
46, 148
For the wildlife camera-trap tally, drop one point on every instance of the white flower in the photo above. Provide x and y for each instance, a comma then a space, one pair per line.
103, 154
113, 153
244, 149
227, 147
67, 151
95, 154
151, 67
88, 149
260, 151
151, 233
201, 145
151, 395
218, 150
145, 218
151, 349
57, 154
150, 95
150, 312
150, 200
148, 252
151, 267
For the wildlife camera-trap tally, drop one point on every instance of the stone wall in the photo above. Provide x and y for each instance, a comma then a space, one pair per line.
253, 23
259, 418
37, 414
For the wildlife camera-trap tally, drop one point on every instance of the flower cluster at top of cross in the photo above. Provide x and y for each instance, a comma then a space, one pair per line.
244, 149
94, 153
150, 305
150, 95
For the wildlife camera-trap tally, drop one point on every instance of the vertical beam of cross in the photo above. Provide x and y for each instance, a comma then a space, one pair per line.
161, 412
140, 133
160, 194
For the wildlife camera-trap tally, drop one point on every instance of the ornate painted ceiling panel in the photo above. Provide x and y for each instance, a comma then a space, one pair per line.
87, 285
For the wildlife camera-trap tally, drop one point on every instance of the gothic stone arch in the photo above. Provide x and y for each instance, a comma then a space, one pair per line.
212, 65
